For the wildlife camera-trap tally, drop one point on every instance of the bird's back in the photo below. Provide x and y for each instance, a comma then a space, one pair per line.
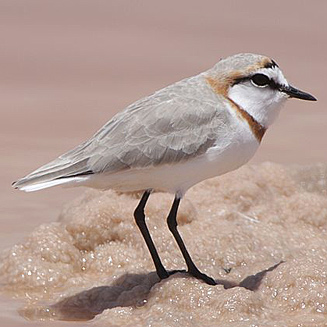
172, 125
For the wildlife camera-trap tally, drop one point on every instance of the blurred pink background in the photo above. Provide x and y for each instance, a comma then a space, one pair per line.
68, 66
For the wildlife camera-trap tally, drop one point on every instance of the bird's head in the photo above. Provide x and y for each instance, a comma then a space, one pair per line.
255, 83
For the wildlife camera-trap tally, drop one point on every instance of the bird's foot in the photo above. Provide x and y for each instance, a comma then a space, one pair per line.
199, 275
163, 274
193, 272
172, 272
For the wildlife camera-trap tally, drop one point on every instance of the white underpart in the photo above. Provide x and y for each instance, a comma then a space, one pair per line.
262, 103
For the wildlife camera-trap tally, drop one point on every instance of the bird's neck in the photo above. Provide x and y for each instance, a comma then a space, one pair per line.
257, 129
262, 110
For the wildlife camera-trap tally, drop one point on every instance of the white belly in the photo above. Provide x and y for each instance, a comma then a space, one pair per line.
226, 155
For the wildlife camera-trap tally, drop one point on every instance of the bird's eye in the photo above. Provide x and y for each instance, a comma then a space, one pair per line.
260, 80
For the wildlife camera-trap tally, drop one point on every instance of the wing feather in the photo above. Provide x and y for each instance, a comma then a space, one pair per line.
174, 124
169, 128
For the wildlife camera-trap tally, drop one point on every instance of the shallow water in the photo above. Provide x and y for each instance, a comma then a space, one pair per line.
260, 232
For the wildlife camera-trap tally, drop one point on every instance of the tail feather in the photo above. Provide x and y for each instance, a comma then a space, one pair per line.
28, 187
54, 173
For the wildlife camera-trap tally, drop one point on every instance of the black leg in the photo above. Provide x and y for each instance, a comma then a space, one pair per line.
140, 221
172, 224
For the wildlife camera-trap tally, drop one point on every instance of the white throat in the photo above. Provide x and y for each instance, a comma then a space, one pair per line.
263, 105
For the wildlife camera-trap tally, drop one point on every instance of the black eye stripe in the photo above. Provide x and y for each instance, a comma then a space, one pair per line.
272, 84
241, 79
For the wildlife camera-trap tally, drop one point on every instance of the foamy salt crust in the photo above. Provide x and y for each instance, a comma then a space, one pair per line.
238, 228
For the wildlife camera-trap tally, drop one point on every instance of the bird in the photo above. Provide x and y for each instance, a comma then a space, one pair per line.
197, 128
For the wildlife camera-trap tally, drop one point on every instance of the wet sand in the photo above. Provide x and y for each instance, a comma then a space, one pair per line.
67, 67
260, 232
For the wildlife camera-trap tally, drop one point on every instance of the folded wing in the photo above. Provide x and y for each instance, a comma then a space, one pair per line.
167, 127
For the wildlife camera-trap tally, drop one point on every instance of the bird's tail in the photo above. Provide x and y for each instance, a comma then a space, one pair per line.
57, 172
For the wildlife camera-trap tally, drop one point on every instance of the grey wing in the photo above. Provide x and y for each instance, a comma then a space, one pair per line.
166, 129
171, 125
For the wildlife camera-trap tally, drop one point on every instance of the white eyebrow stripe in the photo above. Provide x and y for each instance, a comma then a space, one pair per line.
275, 74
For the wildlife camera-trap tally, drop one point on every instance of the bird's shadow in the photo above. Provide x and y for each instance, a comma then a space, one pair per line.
130, 290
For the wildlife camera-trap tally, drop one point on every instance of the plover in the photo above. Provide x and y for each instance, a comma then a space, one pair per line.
197, 128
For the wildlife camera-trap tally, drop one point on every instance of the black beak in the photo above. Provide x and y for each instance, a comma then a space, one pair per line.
295, 93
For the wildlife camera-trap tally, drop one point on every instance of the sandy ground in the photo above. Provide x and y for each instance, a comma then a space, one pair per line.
260, 232
68, 66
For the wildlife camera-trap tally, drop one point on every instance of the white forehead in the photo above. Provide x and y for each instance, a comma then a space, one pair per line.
273, 73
